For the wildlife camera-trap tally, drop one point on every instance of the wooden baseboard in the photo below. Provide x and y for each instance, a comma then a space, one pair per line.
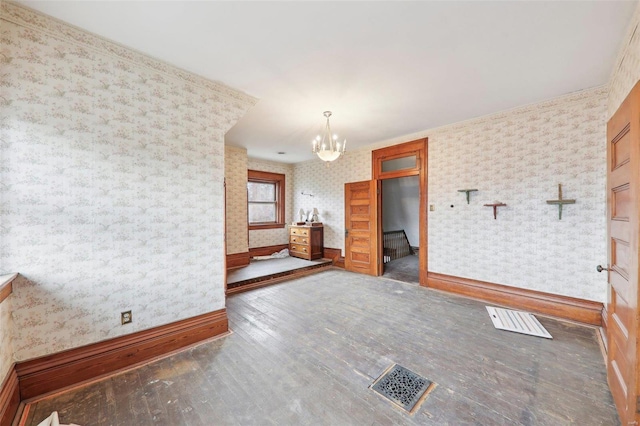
9, 397
579, 310
603, 330
6, 286
335, 255
266, 250
237, 260
53, 372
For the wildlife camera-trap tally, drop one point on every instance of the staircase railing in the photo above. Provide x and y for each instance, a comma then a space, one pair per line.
395, 245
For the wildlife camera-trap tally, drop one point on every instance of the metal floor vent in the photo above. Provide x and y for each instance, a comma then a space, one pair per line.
516, 321
403, 387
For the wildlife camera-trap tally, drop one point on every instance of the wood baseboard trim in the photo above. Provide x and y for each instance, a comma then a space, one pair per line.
570, 308
335, 255
6, 286
266, 250
53, 372
237, 260
9, 397
603, 331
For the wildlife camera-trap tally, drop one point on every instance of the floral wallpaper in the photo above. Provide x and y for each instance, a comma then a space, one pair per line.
6, 338
112, 192
235, 171
626, 70
518, 157
270, 237
325, 181
239, 238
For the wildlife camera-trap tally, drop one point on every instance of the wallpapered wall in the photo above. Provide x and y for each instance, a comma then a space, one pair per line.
112, 185
326, 183
239, 238
235, 170
626, 70
6, 338
270, 237
517, 157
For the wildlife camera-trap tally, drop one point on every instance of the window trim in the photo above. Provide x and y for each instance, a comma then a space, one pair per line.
279, 180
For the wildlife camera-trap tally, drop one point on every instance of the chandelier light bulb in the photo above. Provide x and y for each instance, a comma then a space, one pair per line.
326, 146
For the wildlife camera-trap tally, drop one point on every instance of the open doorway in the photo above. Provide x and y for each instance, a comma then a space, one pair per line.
401, 228
394, 164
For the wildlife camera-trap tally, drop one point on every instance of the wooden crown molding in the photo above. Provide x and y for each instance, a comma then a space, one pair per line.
570, 308
57, 371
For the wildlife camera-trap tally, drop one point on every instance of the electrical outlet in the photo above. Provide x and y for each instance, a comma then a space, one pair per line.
126, 317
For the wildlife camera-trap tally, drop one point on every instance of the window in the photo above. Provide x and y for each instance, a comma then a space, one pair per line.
265, 195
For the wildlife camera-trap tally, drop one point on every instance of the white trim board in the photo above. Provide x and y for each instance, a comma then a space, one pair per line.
518, 322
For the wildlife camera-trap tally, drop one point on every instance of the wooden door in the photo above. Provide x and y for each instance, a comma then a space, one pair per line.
623, 176
361, 227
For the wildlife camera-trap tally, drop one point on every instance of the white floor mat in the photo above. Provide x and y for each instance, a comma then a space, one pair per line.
516, 321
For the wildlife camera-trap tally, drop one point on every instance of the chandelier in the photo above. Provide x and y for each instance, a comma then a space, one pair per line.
327, 146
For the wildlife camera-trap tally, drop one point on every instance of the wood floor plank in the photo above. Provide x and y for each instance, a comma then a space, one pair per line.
306, 352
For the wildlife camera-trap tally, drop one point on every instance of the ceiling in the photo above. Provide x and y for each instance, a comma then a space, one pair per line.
385, 69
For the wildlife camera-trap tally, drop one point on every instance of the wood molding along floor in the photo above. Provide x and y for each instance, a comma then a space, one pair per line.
266, 250
579, 310
57, 371
335, 255
237, 260
9, 397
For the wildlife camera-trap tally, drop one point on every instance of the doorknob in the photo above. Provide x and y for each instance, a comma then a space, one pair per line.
346, 232
599, 268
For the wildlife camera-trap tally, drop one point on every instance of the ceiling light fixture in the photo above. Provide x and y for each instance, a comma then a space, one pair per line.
327, 146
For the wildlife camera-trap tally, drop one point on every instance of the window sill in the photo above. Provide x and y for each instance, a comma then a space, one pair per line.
266, 226
6, 288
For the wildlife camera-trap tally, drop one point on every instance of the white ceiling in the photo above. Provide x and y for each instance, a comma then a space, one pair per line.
385, 69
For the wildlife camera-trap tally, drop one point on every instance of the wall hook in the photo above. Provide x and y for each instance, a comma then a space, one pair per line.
560, 201
468, 191
495, 205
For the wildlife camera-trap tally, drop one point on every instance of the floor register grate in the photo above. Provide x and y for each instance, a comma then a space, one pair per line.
403, 387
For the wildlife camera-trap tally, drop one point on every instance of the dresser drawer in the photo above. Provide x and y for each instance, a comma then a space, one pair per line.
306, 242
298, 239
299, 232
297, 248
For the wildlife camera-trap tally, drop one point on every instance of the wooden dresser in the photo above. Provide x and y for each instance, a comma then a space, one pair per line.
306, 241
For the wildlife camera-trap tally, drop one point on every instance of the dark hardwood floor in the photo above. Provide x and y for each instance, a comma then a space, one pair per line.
404, 269
306, 352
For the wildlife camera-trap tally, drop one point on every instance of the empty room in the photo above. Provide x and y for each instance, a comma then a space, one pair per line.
319, 213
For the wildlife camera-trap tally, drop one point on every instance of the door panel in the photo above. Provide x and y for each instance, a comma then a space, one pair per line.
623, 176
361, 219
